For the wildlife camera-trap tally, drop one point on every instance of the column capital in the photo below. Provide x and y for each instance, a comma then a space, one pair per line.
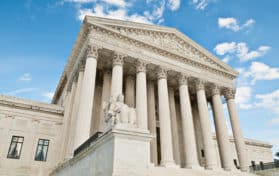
140, 65
229, 93
183, 79
161, 73
199, 84
214, 90
118, 59
92, 51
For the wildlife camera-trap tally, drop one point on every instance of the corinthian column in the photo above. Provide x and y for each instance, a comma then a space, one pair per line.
211, 160
175, 141
87, 96
152, 121
237, 132
130, 91
105, 97
165, 122
72, 144
141, 95
190, 149
117, 76
221, 129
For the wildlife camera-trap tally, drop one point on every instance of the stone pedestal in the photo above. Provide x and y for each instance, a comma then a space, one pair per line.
117, 152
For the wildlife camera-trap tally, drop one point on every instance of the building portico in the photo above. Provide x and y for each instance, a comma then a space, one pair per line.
144, 73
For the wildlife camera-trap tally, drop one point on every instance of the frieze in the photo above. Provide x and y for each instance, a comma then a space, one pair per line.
168, 41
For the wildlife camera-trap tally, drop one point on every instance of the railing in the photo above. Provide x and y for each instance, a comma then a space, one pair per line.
264, 166
87, 143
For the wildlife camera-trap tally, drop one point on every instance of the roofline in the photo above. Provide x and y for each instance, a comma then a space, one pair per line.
91, 20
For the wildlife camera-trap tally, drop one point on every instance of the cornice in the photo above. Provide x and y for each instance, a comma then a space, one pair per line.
30, 105
161, 51
149, 28
101, 23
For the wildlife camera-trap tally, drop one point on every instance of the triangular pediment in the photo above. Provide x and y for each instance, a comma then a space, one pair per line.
165, 38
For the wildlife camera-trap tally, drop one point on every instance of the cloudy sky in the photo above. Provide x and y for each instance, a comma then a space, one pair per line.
36, 38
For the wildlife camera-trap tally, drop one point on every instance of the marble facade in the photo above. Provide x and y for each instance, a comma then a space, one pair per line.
147, 89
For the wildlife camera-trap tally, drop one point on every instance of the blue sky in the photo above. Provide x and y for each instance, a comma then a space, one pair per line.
37, 37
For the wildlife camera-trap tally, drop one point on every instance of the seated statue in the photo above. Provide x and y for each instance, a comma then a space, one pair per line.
116, 111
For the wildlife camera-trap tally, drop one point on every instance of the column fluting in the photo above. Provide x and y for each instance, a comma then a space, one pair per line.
141, 95
87, 96
221, 129
237, 131
190, 149
105, 97
152, 120
130, 90
117, 76
165, 122
209, 149
175, 137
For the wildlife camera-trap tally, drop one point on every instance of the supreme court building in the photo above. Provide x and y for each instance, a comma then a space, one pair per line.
134, 99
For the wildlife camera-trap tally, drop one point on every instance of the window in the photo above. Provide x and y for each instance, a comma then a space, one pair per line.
15, 147
42, 148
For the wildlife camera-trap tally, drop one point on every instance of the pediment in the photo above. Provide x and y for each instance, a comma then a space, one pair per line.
165, 38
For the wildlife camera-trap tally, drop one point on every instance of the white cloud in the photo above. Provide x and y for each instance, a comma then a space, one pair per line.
48, 95
261, 71
80, 1
26, 77
121, 10
119, 3
240, 50
232, 23
174, 4
225, 47
269, 101
243, 97
200, 4
20, 91
226, 59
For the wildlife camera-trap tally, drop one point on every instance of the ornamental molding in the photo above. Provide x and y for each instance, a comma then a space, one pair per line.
140, 66
161, 73
229, 93
92, 51
118, 59
183, 79
163, 41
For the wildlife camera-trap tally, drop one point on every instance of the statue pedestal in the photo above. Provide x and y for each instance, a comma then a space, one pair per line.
119, 151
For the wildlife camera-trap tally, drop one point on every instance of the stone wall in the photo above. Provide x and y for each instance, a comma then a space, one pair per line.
33, 121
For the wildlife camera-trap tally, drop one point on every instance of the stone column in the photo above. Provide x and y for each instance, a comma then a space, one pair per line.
152, 121
72, 144
141, 95
130, 91
87, 96
190, 148
117, 76
221, 129
175, 141
237, 132
167, 159
105, 97
68, 116
209, 149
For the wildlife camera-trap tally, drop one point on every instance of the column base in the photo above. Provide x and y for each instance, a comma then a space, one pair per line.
169, 164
